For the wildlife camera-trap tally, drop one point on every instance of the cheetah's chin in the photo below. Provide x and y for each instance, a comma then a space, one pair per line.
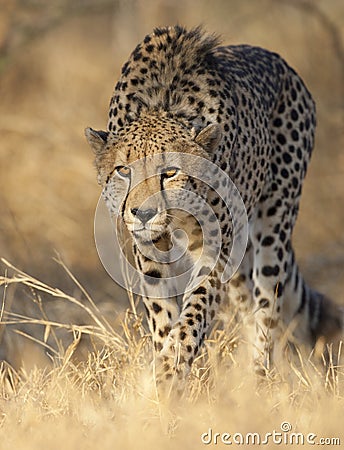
148, 235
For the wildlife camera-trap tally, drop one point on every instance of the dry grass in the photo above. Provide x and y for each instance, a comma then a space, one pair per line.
109, 400
77, 373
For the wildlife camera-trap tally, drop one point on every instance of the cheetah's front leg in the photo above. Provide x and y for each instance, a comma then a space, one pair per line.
188, 333
162, 311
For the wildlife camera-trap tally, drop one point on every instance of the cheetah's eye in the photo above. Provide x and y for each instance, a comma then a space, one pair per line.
169, 172
123, 171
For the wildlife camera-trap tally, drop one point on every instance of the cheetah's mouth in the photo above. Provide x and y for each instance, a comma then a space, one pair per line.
148, 232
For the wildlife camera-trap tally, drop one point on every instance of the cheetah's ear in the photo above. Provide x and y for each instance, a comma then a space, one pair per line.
209, 138
96, 139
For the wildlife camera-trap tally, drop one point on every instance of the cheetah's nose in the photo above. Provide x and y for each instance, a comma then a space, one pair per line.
144, 214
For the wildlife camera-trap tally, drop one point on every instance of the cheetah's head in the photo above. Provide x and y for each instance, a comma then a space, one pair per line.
144, 171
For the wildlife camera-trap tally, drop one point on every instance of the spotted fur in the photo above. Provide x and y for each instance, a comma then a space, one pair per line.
247, 111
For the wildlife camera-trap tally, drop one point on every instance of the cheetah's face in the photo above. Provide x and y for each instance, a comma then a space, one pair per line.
143, 171
144, 191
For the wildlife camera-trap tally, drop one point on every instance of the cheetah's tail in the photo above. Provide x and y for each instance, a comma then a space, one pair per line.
327, 320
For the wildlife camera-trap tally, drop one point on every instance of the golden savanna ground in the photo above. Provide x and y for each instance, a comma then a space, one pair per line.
76, 370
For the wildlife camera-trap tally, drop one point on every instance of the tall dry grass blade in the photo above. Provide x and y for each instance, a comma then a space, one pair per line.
3, 299
48, 328
301, 374
2, 325
31, 282
70, 350
83, 290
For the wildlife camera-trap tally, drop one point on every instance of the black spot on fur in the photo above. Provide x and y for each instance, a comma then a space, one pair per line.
152, 277
182, 335
264, 303
156, 308
269, 271
267, 241
200, 290
281, 139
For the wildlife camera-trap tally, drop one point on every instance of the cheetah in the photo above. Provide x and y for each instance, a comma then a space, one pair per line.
246, 111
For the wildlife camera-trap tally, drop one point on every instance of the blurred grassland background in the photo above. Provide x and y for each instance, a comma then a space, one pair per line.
59, 61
